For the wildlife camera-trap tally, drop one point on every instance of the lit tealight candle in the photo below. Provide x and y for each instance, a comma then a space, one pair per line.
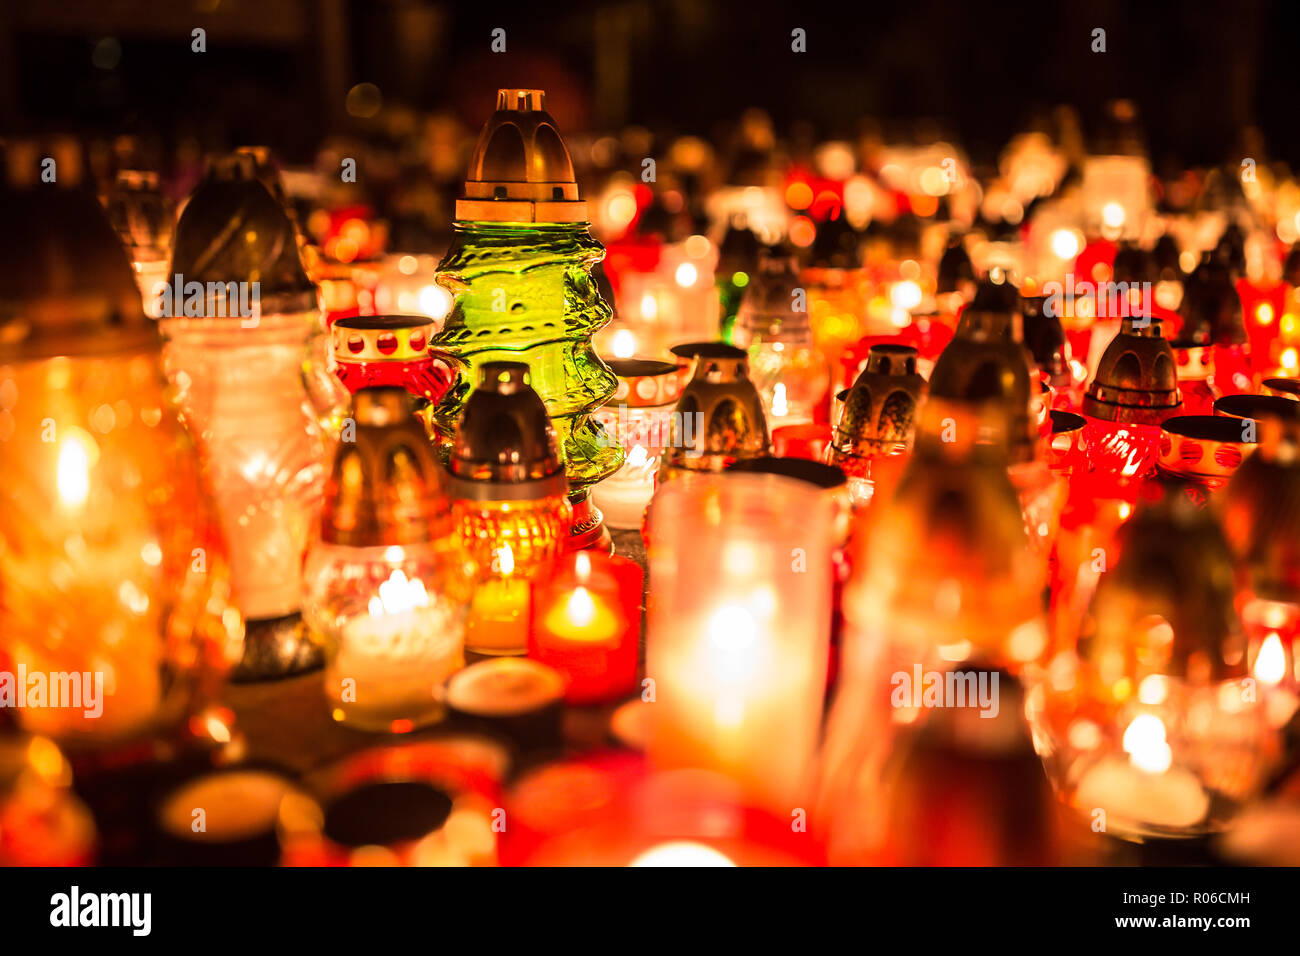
1143, 790
393, 660
586, 624
498, 617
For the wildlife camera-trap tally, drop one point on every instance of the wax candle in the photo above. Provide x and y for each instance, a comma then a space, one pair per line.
392, 661
498, 614
227, 818
586, 623
512, 698
1134, 798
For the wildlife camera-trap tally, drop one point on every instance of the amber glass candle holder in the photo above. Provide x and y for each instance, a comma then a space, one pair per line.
1261, 517
1153, 726
586, 623
112, 563
509, 503
385, 585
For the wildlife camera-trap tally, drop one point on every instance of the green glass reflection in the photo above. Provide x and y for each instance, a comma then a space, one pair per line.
731, 291
524, 293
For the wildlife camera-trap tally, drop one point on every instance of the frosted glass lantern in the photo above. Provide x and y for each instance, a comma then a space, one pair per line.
739, 615
255, 391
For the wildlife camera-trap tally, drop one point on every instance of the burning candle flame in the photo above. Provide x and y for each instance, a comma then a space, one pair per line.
581, 609
681, 853
74, 470
1145, 743
505, 561
398, 595
1270, 665
639, 466
779, 406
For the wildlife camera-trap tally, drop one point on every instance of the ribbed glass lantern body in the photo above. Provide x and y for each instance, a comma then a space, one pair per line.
524, 292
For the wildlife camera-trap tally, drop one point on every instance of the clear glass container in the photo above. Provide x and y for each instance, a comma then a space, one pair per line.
393, 621
791, 374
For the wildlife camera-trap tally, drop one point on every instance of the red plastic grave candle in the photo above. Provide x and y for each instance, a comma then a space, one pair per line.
586, 623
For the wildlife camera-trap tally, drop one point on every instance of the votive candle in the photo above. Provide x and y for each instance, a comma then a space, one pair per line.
586, 623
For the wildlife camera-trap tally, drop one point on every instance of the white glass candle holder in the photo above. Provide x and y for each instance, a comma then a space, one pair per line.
738, 630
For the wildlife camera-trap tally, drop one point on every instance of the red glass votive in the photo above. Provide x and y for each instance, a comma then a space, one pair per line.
586, 624
806, 441
1204, 449
1124, 451
1232, 370
1195, 372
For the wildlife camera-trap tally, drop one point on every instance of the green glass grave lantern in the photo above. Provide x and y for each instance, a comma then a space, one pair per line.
520, 267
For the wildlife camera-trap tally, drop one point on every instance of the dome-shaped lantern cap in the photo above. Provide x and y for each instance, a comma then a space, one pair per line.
385, 486
234, 230
66, 286
521, 170
1137, 377
505, 447
955, 269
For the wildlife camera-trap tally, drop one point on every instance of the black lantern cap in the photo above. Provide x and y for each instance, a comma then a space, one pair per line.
505, 447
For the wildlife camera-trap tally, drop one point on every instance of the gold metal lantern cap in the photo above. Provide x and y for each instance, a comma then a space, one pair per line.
987, 363
880, 410
721, 408
66, 288
386, 486
1137, 378
521, 170
234, 230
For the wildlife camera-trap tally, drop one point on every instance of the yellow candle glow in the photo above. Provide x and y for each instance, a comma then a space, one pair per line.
498, 615
583, 617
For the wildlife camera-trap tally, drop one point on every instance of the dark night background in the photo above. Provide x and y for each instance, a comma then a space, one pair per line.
277, 71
